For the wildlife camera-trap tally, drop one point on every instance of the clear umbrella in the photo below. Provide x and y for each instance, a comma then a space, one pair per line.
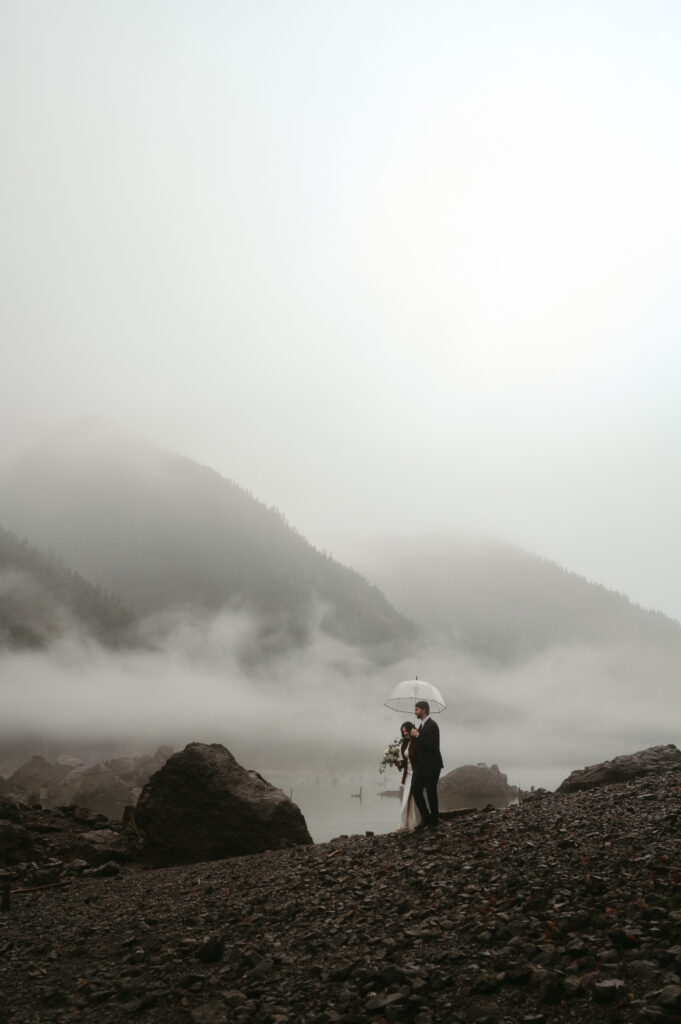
407, 693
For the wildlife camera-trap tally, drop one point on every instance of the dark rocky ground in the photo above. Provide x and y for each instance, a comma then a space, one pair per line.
565, 908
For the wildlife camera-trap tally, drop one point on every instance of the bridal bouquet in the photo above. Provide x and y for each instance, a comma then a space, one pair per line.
391, 755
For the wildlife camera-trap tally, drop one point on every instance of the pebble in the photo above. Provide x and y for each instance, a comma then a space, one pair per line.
562, 910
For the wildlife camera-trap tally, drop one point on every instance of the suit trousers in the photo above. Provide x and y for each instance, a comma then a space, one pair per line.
428, 781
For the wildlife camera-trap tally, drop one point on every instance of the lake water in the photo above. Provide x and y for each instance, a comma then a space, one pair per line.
331, 806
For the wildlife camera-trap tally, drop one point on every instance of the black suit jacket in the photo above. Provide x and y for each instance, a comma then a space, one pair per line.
428, 757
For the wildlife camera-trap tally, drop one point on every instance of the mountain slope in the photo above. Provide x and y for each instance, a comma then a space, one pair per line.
496, 601
40, 600
165, 532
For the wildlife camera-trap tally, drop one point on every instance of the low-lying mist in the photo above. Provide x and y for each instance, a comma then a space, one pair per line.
322, 708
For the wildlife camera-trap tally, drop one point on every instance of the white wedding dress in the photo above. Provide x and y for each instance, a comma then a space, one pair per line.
409, 813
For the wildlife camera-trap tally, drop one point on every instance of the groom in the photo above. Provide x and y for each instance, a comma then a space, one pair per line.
427, 766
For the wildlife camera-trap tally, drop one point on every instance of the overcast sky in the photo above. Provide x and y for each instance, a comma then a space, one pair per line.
391, 266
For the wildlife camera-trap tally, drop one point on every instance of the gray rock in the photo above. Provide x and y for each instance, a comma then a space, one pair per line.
623, 768
65, 789
208, 1013
203, 805
107, 787
107, 870
135, 770
572, 987
103, 790
672, 956
606, 991
10, 809
475, 786
76, 866
647, 970
670, 997
211, 951
98, 847
35, 780
16, 843
381, 1002
47, 875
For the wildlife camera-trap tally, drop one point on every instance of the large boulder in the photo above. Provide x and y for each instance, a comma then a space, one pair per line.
475, 786
16, 843
203, 805
107, 787
623, 768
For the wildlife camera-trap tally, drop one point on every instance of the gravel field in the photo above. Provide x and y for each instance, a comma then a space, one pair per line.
565, 908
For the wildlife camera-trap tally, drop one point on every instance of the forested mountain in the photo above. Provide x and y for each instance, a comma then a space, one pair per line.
496, 601
164, 532
40, 600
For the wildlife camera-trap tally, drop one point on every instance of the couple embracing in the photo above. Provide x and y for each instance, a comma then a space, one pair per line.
422, 761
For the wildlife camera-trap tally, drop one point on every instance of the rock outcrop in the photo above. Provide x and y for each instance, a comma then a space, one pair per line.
68, 840
623, 768
203, 805
107, 787
36, 781
565, 909
100, 788
135, 770
475, 786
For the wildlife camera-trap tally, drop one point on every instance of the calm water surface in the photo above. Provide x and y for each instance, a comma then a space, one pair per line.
332, 807
331, 804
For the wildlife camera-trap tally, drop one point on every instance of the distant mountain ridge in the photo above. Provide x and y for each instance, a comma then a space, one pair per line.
41, 599
495, 601
161, 532
164, 532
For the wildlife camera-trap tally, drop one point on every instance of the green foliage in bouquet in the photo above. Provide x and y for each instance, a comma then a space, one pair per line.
391, 755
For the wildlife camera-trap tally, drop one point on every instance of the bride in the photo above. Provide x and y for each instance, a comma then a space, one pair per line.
409, 816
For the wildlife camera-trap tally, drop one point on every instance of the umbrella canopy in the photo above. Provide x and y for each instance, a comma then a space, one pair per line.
407, 693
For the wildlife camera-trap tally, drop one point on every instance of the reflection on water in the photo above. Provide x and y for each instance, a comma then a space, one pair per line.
339, 804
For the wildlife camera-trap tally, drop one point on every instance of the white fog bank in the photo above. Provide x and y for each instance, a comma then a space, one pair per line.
322, 708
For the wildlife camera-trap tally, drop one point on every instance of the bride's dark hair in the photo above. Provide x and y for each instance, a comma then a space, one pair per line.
408, 726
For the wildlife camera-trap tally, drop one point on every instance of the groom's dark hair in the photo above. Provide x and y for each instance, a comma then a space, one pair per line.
423, 704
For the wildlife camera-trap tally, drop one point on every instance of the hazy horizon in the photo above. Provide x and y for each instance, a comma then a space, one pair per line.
322, 708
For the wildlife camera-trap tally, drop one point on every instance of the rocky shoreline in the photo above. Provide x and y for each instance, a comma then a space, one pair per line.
566, 907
